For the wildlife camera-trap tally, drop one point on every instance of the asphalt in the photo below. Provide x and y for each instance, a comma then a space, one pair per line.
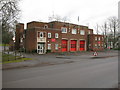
83, 73
57, 58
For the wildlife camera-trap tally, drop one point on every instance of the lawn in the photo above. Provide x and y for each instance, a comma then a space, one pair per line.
11, 59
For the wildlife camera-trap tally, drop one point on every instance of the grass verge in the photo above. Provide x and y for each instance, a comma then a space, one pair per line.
12, 59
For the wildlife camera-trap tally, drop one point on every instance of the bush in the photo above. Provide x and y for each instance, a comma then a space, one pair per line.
22, 50
34, 51
48, 51
117, 49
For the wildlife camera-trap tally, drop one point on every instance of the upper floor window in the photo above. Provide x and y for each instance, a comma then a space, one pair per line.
74, 31
45, 26
56, 35
64, 30
102, 38
49, 35
41, 34
99, 38
96, 38
82, 32
89, 32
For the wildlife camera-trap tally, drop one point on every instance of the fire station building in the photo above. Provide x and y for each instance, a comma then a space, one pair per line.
57, 36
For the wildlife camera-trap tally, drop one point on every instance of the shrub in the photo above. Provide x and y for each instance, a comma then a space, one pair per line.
48, 51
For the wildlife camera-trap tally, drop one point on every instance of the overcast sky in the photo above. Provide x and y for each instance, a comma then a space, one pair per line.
90, 12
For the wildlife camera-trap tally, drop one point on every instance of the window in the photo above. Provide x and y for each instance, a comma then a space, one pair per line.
45, 26
41, 34
89, 32
49, 46
95, 45
99, 38
49, 35
74, 31
82, 32
102, 45
56, 46
99, 45
23, 35
64, 30
96, 38
56, 35
102, 38
21, 40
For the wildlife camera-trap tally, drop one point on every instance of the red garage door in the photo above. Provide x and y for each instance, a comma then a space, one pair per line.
82, 45
64, 45
73, 45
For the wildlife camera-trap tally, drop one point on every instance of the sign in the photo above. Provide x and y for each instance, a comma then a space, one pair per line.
99, 42
53, 40
95, 53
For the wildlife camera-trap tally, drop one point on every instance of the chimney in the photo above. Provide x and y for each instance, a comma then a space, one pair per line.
18, 35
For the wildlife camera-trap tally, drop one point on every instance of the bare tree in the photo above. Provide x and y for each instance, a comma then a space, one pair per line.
104, 29
97, 27
113, 27
9, 16
58, 18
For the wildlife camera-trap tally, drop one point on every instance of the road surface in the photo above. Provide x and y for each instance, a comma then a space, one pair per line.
86, 73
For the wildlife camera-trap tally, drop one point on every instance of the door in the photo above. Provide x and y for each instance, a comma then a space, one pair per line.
41, 48
64, 45
82, 45
73, 44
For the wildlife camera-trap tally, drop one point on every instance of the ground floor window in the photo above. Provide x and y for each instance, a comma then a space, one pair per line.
56, 46
49, 46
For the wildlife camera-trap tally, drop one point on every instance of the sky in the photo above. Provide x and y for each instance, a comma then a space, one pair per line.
90, 12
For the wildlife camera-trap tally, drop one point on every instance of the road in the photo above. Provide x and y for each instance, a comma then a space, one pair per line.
87, 73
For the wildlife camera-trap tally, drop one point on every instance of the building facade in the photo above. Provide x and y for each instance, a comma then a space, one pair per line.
57, 37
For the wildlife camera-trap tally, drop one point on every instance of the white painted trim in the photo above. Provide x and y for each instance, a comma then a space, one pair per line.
73, 39
64, 32
64, 38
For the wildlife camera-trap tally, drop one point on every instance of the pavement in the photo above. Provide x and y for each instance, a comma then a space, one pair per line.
57, 58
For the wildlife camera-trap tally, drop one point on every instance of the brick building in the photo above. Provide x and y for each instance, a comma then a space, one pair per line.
56, 37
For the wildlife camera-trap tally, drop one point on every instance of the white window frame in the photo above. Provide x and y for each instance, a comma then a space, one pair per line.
95, 45
74, 31
42, 34
56, 46
99, 38
95, 38
102, 38
89, 32
82, 32
45, 26
56, 35
49, 46
49, 35
64, 29
99, 45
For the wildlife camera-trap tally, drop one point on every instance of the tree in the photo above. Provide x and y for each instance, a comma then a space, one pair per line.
104, 29
97, 29
58, 18
9, 16
113, 27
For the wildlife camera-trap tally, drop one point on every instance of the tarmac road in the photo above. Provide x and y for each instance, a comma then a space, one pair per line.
91, 73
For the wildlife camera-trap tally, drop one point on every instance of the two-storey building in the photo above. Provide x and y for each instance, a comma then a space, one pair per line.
55, 37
